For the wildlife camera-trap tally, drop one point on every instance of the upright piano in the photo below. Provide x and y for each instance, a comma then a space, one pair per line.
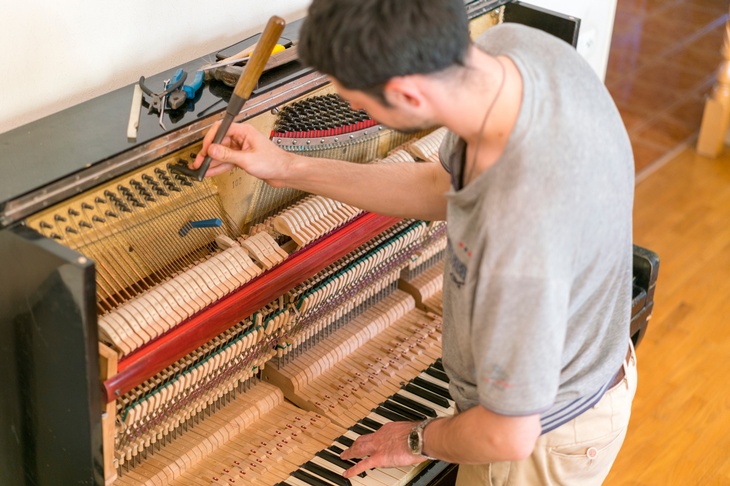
155, 329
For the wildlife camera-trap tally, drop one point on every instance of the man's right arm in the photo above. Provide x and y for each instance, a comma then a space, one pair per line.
410, 190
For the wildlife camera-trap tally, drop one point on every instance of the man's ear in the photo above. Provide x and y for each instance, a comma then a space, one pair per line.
403, 92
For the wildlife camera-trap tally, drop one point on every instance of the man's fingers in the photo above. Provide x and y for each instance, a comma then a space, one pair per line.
361, 448
362, 466
218, 169
220, 152
207, 140
226, 154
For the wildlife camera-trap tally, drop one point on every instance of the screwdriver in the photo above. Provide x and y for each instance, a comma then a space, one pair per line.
244, 87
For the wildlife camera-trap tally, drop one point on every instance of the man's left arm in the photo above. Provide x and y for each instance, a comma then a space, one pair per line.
476, 436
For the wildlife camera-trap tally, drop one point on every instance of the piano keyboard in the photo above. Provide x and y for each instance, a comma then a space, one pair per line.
424, 396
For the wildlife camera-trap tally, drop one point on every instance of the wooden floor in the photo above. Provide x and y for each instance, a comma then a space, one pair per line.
663, 57
680, 427
662, 63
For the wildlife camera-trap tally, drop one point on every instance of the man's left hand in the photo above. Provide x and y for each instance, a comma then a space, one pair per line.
388, 447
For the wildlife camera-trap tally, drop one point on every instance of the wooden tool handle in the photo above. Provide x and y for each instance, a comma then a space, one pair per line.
244, 87
255, 65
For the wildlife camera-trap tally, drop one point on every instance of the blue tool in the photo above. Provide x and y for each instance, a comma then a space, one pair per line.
203, 223
192, 88
187, 92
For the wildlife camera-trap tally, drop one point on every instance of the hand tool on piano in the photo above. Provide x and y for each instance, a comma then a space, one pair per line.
158, 100
163, 103
242, 54
134, 113
246, 83
237, 58
205, 223
187, 91
229, 74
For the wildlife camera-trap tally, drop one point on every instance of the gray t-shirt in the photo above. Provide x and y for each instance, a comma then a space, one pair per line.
537, 286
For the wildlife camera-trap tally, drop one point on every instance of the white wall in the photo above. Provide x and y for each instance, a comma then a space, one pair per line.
594, 39
56, 54
59, 53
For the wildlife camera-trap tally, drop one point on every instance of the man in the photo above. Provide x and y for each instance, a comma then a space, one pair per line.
538, 199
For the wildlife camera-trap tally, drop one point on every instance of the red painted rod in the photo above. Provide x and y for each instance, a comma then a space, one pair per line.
231, 309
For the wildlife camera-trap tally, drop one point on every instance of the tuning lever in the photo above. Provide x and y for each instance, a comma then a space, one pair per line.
204, 223
244, 87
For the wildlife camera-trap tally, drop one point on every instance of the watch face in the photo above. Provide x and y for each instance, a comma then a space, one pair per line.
413, 442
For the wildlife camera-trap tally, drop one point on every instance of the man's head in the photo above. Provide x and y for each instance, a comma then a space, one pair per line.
365, 43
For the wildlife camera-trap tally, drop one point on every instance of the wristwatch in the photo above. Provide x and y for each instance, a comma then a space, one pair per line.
415, 439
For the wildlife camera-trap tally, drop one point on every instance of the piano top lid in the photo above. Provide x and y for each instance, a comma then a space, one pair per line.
74, 139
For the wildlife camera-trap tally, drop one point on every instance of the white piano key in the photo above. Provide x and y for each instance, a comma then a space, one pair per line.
440, 411
368, 480
379, 474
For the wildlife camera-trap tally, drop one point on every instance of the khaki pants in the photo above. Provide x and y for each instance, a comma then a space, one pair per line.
580, 452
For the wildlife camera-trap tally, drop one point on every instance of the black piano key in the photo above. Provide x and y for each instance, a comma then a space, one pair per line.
438, 374
370, 423
336, 460
432, 387
326, 473
309, 478
439, 365
414, 405
405, 411
427, 395
337, 450
390, 415
360, 430
369, 429
346, 441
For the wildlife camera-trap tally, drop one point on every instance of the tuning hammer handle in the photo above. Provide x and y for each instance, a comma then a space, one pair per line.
244, 87
256, 63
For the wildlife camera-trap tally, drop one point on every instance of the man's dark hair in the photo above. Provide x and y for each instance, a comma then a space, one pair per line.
364, 43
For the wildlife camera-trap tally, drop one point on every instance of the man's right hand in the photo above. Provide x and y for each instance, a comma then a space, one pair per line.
406, 190
245, 147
